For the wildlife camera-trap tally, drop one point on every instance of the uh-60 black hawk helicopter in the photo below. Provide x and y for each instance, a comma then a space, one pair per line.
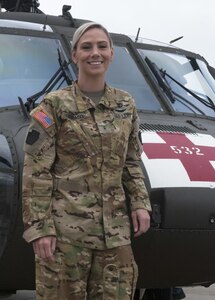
175, 97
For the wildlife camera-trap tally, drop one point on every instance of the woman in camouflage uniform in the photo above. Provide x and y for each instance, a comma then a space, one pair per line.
81, 155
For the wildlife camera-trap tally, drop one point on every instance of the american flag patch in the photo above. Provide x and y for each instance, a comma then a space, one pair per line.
43, 119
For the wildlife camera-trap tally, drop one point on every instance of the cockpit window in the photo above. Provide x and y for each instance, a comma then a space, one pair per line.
26, 65
7, 187
5, 154
124, 74
192, 85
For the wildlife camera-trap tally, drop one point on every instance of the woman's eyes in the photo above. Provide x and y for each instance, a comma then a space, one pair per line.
103, 46
89, 46
85, 47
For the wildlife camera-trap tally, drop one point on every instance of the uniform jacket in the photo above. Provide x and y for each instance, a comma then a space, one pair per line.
79, 161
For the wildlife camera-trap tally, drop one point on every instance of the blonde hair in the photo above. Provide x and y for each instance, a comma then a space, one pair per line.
85, 27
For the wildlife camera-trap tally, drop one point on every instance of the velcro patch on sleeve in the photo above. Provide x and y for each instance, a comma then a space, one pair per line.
32, 137
43, 118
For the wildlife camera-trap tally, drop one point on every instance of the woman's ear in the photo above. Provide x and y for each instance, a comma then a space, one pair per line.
112, 55
73, 56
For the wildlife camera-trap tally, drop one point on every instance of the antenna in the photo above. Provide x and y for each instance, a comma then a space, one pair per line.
45, 23
66, 13
137, 36
175, 40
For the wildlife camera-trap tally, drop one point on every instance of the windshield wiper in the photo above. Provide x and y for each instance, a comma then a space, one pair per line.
160, 79
160, 75
167, 88
188, 103
62, 73
208, 103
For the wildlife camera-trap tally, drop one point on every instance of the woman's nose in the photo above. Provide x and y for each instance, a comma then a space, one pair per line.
95, 50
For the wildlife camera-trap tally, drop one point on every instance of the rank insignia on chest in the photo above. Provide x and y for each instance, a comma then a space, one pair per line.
76, 116
43, 118
121, 115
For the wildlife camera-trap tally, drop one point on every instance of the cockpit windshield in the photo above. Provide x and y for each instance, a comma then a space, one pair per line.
123, 73
26, 65
192, 85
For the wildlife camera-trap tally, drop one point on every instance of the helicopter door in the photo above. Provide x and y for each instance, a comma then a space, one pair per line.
7, 191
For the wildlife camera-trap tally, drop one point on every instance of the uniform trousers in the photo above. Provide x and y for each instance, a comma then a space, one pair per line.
80, 273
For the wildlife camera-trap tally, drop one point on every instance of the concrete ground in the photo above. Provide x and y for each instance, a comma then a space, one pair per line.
200, 293
192, 293
20, 295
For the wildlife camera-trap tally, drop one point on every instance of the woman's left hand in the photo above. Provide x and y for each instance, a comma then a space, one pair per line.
141, 221
44, 247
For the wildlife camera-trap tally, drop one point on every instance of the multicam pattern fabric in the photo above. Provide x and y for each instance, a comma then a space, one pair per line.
77, 169
109, 274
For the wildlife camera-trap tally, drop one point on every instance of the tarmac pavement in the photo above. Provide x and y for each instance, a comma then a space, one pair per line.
200, 293
192, 293
20, 295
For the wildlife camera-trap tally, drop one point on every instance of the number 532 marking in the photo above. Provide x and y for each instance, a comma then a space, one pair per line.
186, 150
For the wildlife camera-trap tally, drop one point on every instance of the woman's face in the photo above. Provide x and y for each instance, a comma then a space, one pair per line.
93, 53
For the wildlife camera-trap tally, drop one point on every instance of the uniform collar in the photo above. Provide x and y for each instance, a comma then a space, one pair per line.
84, 103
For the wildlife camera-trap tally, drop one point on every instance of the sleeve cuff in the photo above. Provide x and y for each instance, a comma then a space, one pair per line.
39, 229
143, 204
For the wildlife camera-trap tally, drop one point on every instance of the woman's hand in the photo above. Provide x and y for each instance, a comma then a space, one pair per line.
44, 247
141, 221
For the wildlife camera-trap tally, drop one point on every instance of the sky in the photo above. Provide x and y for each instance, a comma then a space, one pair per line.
161, 20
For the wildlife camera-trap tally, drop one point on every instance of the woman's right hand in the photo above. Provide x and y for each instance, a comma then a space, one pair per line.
44, 247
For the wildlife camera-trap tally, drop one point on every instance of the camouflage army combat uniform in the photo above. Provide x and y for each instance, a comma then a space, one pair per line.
77, 156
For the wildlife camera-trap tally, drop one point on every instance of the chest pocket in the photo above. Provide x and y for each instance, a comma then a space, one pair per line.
122, 127
115, 131
75, 140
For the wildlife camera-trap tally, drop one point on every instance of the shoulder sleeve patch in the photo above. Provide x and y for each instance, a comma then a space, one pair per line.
43, 118
32, 137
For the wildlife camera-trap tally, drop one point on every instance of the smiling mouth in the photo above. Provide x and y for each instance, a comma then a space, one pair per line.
95, 63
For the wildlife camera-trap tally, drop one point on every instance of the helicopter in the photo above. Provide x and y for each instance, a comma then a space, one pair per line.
174, 90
